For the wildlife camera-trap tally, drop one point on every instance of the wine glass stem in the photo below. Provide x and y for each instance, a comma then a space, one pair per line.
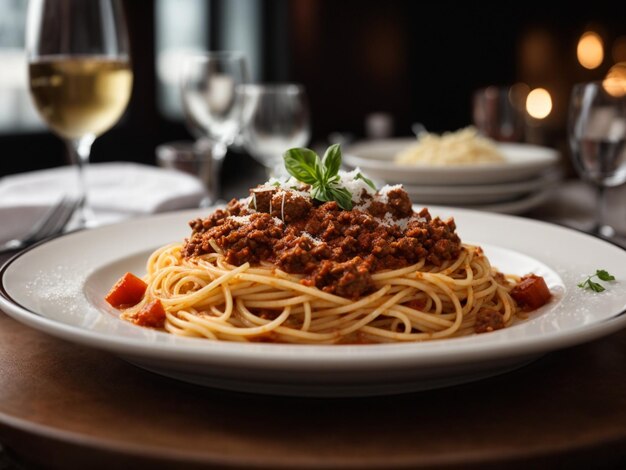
79, 151
218, 152
601, 226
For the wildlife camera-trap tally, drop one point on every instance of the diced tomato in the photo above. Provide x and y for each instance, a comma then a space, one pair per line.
126, 292
531, 292
151, 314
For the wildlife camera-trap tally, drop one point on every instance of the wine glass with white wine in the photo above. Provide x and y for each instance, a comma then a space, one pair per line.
80, 73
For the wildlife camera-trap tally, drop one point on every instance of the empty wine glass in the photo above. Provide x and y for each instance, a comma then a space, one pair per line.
276, 118
211, 102
597, 137
498, 112
80, 73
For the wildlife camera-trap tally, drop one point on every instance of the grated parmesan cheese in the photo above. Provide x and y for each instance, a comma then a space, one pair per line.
353, 184
383, 193
307, 235
389, 221
240, 219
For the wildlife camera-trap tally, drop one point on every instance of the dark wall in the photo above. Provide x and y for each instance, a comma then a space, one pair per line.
422, 60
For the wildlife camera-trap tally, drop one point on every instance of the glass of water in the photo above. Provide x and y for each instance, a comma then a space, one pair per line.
276, 118
597, 137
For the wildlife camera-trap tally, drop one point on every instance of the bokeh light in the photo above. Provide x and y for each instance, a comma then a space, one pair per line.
539, 103
615, 81
590, 50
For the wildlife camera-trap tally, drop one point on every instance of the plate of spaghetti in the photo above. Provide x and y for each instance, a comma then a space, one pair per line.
322, 285
461, 158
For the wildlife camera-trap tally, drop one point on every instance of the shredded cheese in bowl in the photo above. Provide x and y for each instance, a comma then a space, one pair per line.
463, 147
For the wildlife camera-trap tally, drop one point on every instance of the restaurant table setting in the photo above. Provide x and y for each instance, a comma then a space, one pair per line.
142, 397
130, 339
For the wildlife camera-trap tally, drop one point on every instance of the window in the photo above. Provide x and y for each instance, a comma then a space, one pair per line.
17, 112
182, 28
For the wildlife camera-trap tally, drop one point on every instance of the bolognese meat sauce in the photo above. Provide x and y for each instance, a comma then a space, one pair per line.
336, 250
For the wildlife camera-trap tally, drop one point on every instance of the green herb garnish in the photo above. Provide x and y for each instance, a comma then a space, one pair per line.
359, 176
596, 286
322, 174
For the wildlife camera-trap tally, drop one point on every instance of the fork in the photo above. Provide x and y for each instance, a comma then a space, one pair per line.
52, 223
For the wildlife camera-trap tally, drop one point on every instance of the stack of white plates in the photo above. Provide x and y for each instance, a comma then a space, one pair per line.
523, 181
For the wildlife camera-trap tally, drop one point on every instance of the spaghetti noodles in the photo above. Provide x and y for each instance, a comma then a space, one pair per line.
205, 296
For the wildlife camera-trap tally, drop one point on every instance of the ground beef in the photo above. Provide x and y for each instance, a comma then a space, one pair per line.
336, 250
396, 203
488, 320
290, 206
251, 241
348, 279
261, 198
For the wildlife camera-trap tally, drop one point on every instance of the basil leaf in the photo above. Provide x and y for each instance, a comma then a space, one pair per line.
359, 176
604, 275
302, 164
322, 174
320, 193
333, 180
332, 161
343, 197
601, 274
596, 287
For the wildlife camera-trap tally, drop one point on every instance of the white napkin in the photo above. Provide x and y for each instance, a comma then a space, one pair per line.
119, 187
116, 191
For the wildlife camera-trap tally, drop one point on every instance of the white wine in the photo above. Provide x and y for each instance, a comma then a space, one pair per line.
80, 96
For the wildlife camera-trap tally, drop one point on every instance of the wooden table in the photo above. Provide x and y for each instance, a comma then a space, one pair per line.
67, 406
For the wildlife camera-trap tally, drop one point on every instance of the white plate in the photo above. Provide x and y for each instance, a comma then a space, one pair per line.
464, 195
376, 159
58, 288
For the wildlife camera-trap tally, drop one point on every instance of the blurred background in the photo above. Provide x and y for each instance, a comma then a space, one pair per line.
359, 60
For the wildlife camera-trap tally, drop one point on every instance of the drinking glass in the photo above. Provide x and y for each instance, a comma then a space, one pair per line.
498, 112
276, 118
80, 74
193, 158
597, 137
211, 102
